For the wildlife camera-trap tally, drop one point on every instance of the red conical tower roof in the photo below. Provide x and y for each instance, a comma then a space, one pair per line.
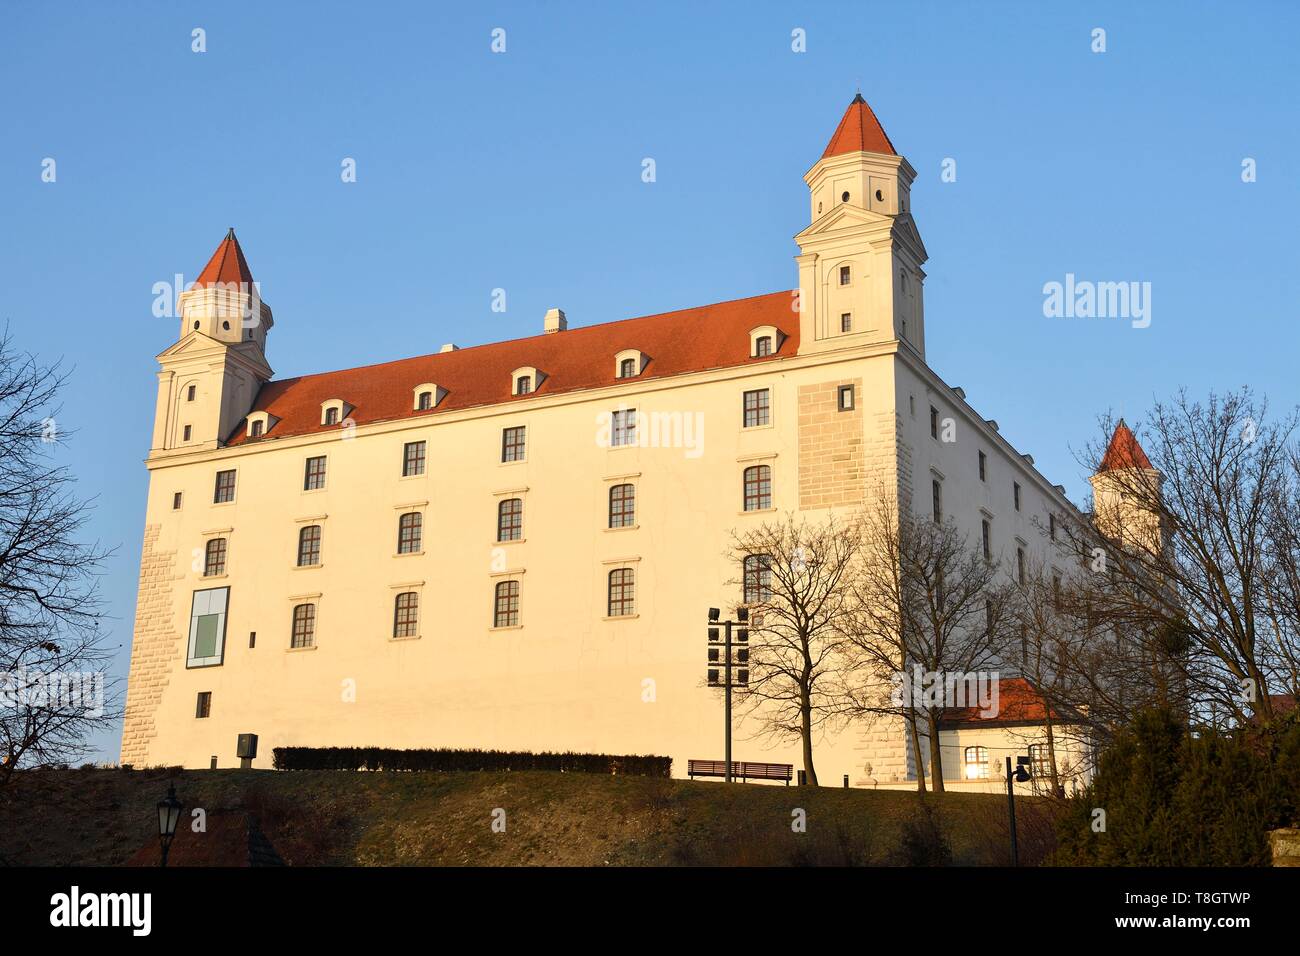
227, 265
859, 131
1124, 451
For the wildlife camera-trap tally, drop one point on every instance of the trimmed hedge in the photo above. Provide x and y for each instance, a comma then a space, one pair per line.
382, 758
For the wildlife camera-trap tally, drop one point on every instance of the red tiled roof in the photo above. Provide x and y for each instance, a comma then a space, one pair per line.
227, 265
1018, 702
1123, 451
689, 340
859, 130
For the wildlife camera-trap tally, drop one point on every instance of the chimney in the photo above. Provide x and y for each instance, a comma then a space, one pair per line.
450, 347
554, 321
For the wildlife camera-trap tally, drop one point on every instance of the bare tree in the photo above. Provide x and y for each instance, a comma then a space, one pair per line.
795, 576
1194, 552
53, 660
925, 599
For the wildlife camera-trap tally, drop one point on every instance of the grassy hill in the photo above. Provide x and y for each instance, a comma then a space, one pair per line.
103, 817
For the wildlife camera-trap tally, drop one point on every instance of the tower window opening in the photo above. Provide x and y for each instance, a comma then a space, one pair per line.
844, 197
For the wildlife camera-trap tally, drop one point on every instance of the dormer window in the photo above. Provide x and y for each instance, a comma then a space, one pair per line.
525, 380
765, 340
259, 423
629, 363
333, 411
427, 396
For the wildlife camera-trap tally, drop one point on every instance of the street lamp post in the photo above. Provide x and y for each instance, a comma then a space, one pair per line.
720, 646
1021, 775
169, 814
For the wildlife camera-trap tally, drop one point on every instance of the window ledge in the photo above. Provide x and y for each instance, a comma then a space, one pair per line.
308, 567
756, 428
423, 474
299, 650
215, 577
757, 511
626, 527
403, 640
509, 541
408, 554
507, 627
620, 617
517, 461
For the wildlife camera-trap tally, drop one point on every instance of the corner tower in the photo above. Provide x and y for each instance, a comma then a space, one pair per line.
209, 378
860, 278
1125, 494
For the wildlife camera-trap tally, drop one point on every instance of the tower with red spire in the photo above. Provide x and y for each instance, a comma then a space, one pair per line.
860, 259
209, 378
1125, 490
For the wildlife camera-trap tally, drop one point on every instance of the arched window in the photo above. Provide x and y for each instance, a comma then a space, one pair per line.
505, 605
406, 614
976, 763
762, 346
426, 401
304, 626
309, 546
622, 506
331, 416
627, 368
214, 557
758, 578
255, 430
523, 384
510, 519
409, 528
622, 592
758, 488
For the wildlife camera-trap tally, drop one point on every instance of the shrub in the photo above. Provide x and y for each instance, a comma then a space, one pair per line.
382, 758
1177, 798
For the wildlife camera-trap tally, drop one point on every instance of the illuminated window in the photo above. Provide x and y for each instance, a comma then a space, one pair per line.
977, 763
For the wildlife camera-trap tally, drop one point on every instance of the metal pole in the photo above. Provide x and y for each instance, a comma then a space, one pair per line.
1011, 808
726, 673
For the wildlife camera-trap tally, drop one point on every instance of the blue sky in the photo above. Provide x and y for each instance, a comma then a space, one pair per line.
522, 171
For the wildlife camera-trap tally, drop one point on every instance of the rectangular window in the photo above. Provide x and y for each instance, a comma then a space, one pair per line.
314, 474
627, 368
505, 606
622, 506
524, 385
845, 275
1020, 566
757, 407
1056, 591
186, 434
622, 593
512, 443
623, 431
845, 396
256, 430
189, 393
208, 627
252, 638
1051, 526
934, 423
1041, 760
214, 557
1015, 494
304, 626
846, 321
757, 579
203, 706
412, 458
410, 529
309, 546
510, 519
225, 489
936, 496
176, 501
986, 533
984, 461
758, 488
406, 614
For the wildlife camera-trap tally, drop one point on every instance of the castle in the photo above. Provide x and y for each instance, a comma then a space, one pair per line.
512, 546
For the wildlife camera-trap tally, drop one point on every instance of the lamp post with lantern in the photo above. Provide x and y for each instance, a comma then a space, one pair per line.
169, 814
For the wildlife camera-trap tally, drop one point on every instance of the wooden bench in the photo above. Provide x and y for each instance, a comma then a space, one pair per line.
740, 770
